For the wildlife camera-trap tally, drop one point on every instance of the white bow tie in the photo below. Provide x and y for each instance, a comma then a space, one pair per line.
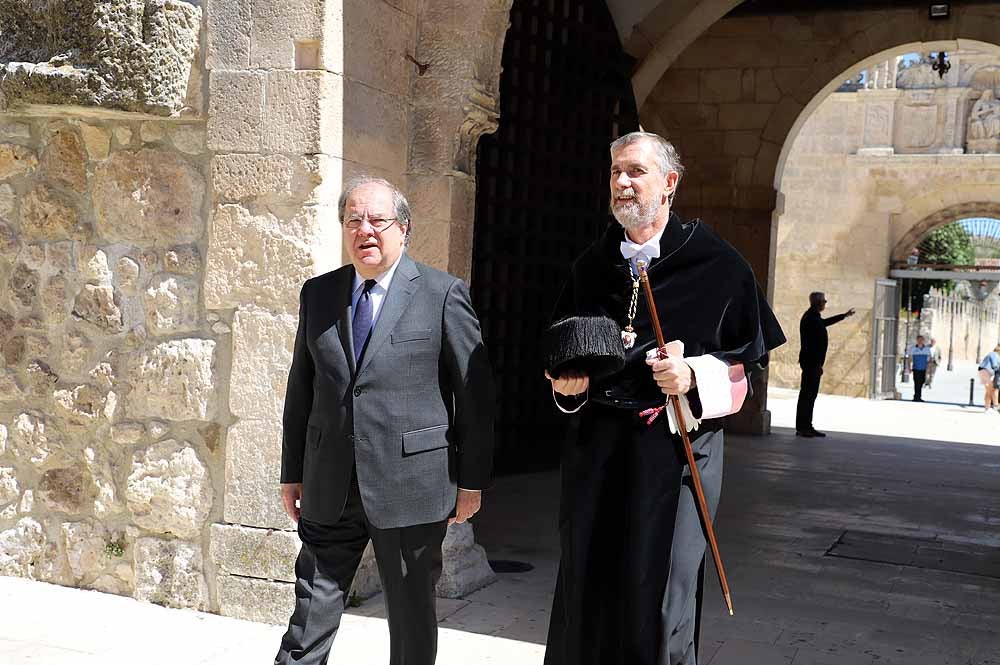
651, 250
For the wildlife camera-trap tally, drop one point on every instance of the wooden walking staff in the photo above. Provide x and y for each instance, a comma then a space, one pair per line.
706, 519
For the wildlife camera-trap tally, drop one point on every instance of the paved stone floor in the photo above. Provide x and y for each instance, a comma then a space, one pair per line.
867, 549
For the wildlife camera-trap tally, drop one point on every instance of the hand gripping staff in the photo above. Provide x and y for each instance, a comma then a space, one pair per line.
706, 521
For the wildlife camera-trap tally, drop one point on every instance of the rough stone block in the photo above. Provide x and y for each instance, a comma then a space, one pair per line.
10, 491
8, 208
16, 160
96, 304
45, 216
256, 600
235, 111
171, 305
169, 489
148, 196
189, 139
262, 553
277, 24
88, 559
33, 441
22, 548
169, 572
302, 112
176, 381
129, 55
229, 26
236, 177
262, 353
258, 259
97, 140
63, 159
253, 471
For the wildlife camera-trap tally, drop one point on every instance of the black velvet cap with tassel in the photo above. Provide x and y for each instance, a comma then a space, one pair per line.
589, 344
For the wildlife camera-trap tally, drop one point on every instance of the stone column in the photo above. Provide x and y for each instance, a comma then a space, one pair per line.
276, 97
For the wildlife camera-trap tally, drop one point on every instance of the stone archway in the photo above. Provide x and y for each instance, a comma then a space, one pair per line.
923, 228
884, 201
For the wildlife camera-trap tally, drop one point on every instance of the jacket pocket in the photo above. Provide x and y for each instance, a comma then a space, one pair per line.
313, 435
422, 440
410, 335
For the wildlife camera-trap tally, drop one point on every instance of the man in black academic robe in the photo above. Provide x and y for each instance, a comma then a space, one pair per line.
625, 501
812, 356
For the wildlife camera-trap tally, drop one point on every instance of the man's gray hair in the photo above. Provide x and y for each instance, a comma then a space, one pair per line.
401, 207
667, 158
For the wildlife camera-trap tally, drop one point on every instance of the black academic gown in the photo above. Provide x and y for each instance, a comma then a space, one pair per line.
621, 478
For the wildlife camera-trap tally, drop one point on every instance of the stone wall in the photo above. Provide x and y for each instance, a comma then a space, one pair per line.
151, 267
113, 422
968, 329
846, 215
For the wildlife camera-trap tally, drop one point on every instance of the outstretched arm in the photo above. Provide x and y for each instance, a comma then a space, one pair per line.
838, 318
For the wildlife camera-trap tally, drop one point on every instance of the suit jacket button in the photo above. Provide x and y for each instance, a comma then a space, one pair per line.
350, 438
357, 392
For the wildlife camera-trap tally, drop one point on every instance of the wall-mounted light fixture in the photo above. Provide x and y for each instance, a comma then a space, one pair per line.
940, 65
938, 10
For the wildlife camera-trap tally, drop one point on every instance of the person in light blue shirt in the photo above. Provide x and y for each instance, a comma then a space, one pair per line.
989, 376
920, 355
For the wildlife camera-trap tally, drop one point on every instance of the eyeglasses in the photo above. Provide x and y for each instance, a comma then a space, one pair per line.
378, 223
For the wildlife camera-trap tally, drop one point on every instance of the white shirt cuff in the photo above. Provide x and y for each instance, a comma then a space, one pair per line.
722, 388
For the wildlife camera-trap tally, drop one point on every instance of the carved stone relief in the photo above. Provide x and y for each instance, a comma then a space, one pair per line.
918, 126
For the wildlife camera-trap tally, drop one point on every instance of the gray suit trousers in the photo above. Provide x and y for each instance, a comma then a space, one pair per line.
679, 609
409, 564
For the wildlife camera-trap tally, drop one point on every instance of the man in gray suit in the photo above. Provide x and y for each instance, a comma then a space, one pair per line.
388, 429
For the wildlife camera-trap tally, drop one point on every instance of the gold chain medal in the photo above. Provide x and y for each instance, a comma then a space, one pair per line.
628, 334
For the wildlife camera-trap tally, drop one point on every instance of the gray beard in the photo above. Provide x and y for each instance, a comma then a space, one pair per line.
634, 215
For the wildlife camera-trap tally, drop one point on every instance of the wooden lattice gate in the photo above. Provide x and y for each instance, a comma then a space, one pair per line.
542, 197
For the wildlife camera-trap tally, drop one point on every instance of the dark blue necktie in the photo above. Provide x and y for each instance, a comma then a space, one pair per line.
362, 324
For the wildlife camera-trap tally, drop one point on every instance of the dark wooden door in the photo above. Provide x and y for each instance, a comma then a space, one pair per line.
542, 197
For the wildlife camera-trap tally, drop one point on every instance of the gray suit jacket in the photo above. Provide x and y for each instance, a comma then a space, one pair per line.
416, 417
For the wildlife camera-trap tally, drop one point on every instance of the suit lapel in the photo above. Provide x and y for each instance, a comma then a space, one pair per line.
345, 315
402, 287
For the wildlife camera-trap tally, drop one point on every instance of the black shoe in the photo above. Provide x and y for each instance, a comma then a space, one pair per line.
818, 433
804, 433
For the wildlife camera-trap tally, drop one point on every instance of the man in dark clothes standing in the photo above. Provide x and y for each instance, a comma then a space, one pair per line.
629, 534
812, 355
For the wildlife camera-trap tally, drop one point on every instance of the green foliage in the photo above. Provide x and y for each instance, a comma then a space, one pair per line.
115, 548
949, 244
